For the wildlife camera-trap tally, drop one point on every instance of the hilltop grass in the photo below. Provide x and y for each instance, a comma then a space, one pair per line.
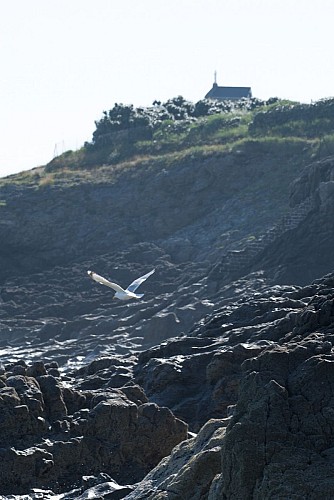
222, 130
239, 131
67, 175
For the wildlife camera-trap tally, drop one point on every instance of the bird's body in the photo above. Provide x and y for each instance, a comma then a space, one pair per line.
122, 294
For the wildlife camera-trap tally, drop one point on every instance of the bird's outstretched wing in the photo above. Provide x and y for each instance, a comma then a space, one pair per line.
135, 284
103, 281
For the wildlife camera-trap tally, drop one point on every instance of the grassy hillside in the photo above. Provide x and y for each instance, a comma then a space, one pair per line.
176, 131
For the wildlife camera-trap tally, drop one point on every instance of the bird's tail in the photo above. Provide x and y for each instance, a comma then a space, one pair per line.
139, 295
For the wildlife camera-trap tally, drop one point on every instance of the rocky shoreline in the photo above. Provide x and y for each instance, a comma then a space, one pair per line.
252, 379
217, 384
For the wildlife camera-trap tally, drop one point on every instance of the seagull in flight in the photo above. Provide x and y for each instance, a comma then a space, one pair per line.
122, 294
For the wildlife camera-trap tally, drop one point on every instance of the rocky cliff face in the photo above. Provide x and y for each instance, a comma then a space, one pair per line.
228, 356
195, 209
305, 253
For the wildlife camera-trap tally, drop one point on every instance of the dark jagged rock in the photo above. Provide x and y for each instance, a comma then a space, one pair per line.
52, 435
190, 469
279, 440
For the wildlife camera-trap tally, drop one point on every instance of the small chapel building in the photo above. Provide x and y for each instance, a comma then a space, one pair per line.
228, 93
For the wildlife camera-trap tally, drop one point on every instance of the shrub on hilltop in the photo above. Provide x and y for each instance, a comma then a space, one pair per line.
178, 126
124, 122
306, 120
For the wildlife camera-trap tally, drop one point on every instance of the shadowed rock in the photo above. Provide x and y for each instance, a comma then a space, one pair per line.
52, 435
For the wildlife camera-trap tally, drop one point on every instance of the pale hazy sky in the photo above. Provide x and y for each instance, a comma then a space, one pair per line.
63, 62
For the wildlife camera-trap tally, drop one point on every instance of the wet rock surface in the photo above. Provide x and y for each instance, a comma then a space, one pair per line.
210, 387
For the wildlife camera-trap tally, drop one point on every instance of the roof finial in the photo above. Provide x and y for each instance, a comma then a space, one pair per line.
215, 77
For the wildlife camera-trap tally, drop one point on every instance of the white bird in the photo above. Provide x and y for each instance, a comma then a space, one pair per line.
122, 294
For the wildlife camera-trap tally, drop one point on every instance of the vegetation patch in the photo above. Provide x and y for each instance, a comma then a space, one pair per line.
178, 130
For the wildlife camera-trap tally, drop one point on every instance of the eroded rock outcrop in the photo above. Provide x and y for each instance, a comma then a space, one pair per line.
190, 469
278, 442
52, 435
